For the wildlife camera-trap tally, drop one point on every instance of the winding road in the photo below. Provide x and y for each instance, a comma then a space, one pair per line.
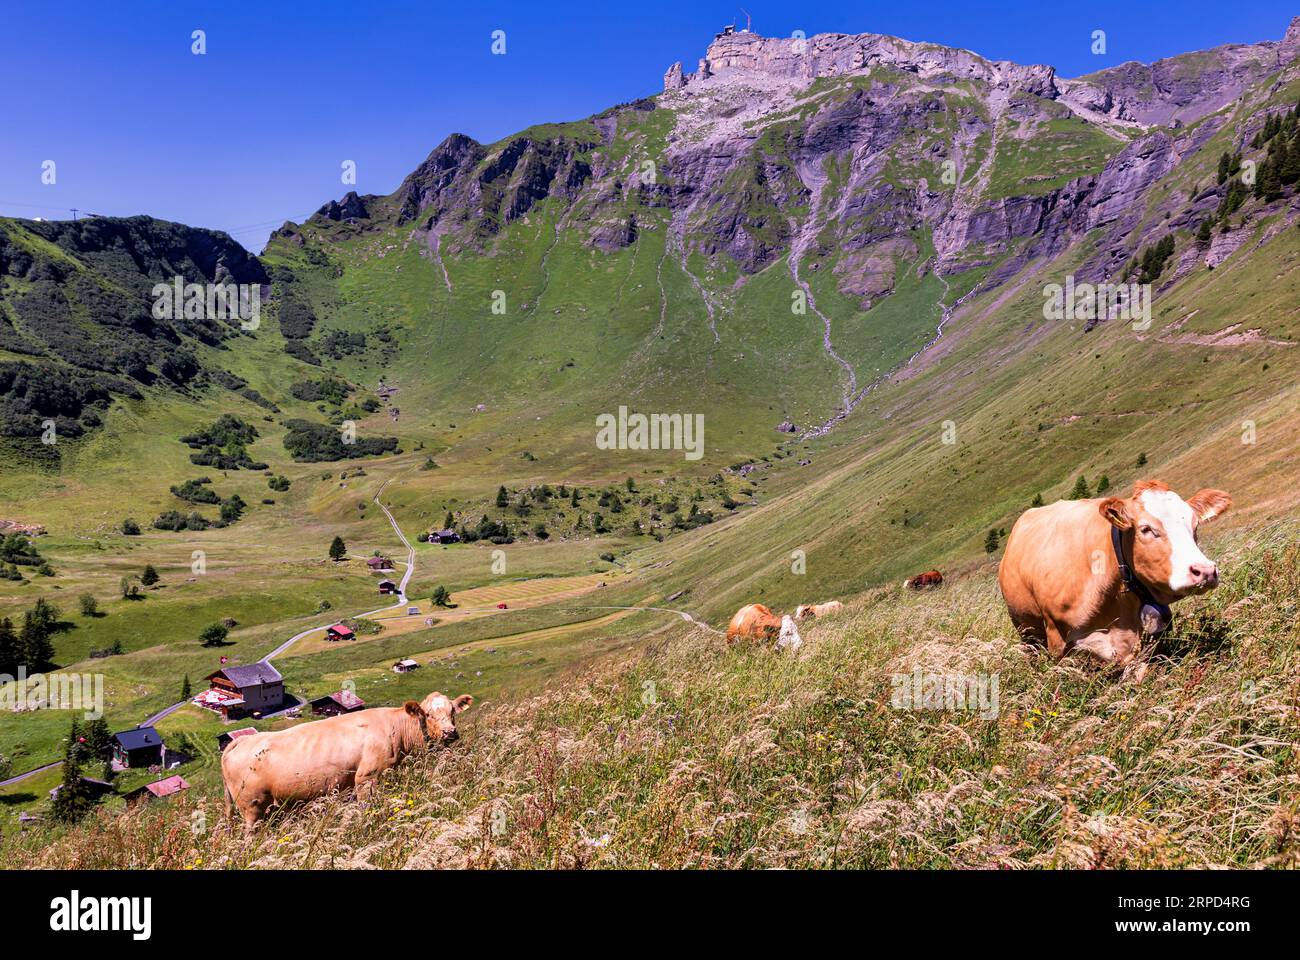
401, 601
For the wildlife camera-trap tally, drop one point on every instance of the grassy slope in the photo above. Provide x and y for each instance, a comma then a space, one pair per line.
1034, 405
683, 754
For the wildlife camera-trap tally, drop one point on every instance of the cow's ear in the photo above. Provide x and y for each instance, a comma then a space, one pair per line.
413, 708
462, 703
1208, 504
1115, 512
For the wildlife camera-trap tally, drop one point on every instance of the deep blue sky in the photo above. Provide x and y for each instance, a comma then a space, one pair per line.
254, 132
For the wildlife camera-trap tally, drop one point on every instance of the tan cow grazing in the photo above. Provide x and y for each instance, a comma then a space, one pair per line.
350, 750
809, 611
757, 622
1096, 575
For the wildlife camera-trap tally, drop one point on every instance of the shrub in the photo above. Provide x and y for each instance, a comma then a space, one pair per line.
214, 635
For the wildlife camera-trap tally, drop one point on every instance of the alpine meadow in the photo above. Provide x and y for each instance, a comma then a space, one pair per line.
418, 538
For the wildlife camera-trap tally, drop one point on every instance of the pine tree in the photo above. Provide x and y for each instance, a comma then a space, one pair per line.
1203, 235
1103, 484
8, 647
1080, 491
1037, 501
34, 647
185, 687
149, 576
338, 549
991, 542
503, 498
1142, 460
46, 613
1288, 170
448, 521
98, 740
1225, 161
73, 799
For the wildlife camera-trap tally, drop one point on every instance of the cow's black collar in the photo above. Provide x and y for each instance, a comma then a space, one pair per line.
1131, 582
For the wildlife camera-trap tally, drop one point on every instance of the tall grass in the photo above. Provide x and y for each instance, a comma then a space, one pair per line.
687, 754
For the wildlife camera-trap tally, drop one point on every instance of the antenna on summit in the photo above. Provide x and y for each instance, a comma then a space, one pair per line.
748, 21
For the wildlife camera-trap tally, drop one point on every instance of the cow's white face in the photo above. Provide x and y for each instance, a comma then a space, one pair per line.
1166, 556
440, 715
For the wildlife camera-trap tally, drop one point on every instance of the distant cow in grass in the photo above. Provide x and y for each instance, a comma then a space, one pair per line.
347, 751
757, 622
924, 581
1098, 574
810, 611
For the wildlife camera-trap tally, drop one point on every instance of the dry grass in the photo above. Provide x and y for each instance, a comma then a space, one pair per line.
689, 755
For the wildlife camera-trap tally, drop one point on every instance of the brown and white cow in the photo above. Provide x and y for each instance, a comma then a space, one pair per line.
347, 751
1063, 583
924, 581
809, 611
757, 622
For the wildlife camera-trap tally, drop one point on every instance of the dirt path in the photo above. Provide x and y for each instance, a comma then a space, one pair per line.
688, 617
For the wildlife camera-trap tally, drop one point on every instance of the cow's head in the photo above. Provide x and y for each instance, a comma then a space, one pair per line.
438, 714
803, 611
1162, 530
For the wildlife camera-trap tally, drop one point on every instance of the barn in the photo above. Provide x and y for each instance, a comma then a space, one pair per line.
379, 564
224, 739
158, 790
342, 701
387, 586
405, 666
339, 632
444, 536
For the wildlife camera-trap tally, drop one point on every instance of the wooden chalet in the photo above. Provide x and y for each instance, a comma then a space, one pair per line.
341, 701
243, 691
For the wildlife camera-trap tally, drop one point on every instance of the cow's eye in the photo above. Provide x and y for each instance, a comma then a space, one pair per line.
1149, 531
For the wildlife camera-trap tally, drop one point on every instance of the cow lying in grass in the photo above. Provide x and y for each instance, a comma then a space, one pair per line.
350, 750
1097, 575
757, 622
924, 581
809, 611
